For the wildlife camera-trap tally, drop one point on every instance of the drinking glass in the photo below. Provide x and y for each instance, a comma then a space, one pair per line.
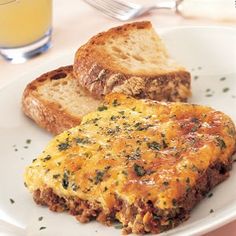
25, 28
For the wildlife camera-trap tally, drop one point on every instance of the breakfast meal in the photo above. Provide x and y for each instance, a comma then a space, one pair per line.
141, 162
129, 59
129, 148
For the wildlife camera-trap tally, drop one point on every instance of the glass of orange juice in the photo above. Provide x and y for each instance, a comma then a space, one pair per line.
25, 28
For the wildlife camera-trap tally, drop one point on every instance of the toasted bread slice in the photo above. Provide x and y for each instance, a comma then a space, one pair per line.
131, 59
144, 163
55, 102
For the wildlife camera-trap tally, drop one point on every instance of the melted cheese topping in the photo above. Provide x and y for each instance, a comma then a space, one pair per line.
134, 149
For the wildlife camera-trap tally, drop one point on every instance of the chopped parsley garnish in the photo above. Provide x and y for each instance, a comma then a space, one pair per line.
99, 176
154, 146
83, 140
65, 180
63, 146
139, 170
74, 187
105, 189
122, 112
222, 78
28, 141
115, 103
113, 131
211, 211
42, 228
118, 226
56, 176
210, 195
220, 143
114, 117
47, 158
40, 218
124, 172
12, 201
135, 155
102, 108
224, 90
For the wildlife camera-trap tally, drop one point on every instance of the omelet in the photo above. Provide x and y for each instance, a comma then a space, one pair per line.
141, 162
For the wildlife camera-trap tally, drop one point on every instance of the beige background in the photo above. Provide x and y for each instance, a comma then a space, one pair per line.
74, 22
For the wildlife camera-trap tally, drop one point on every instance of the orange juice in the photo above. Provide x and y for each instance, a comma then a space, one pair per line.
23, 22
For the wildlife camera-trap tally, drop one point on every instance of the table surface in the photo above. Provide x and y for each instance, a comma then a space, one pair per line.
74, 24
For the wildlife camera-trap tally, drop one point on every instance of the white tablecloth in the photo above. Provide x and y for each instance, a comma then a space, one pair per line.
74, 22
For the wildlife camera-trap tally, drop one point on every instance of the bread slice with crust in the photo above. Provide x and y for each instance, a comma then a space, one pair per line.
55, 102
131, 59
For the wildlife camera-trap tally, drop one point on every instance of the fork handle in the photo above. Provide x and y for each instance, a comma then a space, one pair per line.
167, 4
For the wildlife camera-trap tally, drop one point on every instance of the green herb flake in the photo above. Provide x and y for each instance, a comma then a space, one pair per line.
135, 155
83, 140
139, 170
63, 146
121, 112
220, 143
102, 108
210, 195
154, 146
113, 118
40, 218
65, 180
16, 150
222, 78
118, 226
56, 176
225, 90
211, 211
25, 147
115, 103
42, 228
74, 187
47, 158
124, 172
28, 141
100, 174
209, 95
195, 77
12, 201
105, 189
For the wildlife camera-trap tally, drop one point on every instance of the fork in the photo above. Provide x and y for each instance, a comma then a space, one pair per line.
123, 10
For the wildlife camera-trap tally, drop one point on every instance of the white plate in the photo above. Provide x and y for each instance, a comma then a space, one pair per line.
209, 53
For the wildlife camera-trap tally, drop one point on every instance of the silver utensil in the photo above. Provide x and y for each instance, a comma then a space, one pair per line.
123, 10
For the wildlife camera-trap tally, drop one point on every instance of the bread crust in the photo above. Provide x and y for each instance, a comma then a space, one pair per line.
97, 72
48, 115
